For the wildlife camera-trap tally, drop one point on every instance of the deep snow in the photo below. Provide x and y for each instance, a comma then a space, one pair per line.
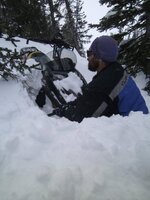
44, 158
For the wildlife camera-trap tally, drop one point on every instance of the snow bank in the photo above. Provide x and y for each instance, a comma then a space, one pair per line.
51, 158
44, 158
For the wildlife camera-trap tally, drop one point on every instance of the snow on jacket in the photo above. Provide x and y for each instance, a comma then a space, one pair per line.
107, 94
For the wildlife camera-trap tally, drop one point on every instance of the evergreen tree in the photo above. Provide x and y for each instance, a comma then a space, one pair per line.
69, 28
54, 19
11, 63
132, 19
23, 18
74, 29
81, 26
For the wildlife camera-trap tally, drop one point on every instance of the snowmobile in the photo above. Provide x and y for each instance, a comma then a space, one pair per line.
55, 67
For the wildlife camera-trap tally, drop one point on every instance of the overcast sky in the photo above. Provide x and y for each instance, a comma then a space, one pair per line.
94, 11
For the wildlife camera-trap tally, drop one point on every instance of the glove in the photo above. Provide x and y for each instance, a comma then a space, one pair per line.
41, 99
59, 111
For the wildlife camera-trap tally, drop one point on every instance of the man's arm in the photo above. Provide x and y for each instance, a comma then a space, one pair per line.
83, 107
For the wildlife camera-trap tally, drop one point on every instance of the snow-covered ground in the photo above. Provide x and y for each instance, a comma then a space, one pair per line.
49, 158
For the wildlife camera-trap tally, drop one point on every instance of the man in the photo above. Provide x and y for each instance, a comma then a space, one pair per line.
110, 92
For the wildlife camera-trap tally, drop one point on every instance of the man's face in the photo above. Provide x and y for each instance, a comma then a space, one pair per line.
93, 62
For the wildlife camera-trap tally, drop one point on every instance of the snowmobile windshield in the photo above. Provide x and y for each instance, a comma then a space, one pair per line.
67, 53
64, 60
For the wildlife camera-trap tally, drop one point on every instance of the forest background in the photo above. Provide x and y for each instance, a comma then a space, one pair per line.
128, 21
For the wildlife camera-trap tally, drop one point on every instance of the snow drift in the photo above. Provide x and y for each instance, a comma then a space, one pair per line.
44, 158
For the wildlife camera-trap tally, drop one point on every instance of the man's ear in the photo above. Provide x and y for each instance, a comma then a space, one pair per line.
100, 61
101, 64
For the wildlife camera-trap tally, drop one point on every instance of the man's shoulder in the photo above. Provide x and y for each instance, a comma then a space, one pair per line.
115, 66
114, 70
108, 77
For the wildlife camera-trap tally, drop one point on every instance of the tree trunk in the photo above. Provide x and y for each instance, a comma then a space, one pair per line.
72, 25
148, 40
55, 28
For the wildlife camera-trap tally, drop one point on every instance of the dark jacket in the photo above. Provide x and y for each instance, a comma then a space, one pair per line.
110, 92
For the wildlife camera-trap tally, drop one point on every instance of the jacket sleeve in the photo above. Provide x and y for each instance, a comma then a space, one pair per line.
95, 100
83, 107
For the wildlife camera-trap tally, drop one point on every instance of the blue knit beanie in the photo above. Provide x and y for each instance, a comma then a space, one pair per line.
105, 48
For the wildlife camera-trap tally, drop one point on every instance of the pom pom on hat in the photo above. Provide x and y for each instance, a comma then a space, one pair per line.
105, 48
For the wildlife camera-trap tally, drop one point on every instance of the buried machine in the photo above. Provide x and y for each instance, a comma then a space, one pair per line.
55, 69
